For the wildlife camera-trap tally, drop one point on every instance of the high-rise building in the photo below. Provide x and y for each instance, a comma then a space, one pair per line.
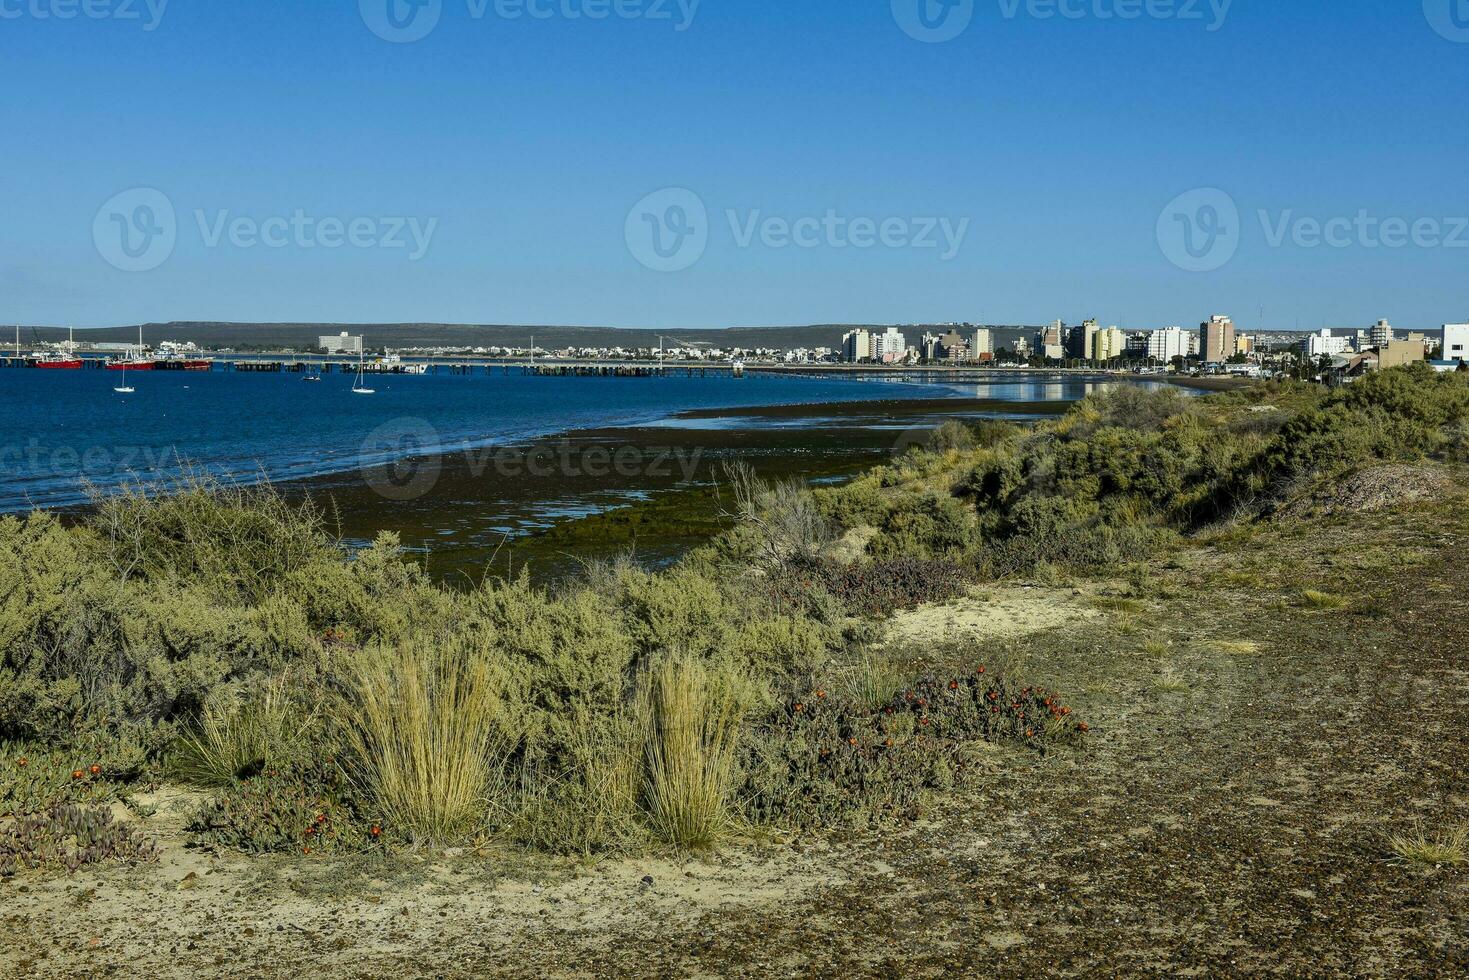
1107, 344
1381, 334
1170, 342
342, 343
1455, 342
1216, 339
1080, 343
889, 346
1323, 344
984, 342
857, 346
1051, 342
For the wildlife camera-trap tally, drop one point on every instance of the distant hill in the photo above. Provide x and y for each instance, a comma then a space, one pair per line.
305, 336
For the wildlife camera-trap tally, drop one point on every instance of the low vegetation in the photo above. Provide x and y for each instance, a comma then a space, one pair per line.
334, 701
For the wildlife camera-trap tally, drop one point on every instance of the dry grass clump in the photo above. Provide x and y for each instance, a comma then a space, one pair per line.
1447, 849
1239, 648
239, 739
1168, 681
423, 728
693, 717
1315, 599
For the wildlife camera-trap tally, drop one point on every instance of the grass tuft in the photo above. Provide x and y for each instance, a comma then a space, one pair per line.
693, 717
242, 739
423, 727
1448, 849
1315, 599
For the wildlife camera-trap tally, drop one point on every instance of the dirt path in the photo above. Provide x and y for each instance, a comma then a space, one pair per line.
1251, 753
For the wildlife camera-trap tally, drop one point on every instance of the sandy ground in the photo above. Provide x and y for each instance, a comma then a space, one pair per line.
1251, 752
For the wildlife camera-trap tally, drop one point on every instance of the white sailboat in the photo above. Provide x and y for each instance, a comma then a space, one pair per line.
313, 373
357, 387
124, 389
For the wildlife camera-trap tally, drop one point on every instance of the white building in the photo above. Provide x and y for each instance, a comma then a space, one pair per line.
984, 343
1323, 344
1381, 334
857, 346
1456, 342
1170, 342
889, 346
341, 344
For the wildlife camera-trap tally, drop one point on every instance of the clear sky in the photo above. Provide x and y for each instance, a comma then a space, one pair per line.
498, 169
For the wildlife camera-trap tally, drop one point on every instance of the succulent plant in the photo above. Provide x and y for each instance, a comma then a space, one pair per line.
68, 838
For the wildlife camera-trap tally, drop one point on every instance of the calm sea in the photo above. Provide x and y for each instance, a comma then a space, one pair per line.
61, 431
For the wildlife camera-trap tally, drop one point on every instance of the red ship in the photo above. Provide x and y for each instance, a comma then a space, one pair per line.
130, 364
58, 362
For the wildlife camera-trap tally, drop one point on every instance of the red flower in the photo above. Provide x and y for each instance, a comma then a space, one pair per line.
981, 668
376, 831
1029, 733
800, 708
953, 685
1083, 726
95, 770
923, 721
22, 762
77, 774
1066, 711
821, 694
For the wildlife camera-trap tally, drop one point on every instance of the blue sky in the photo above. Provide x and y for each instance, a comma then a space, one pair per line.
1070, 151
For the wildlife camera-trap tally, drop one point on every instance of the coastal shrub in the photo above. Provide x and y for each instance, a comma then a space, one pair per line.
422, 723
872, 588
785, 515
819, 759
927, 525
952, 436
857, 504
68, 838
238, 541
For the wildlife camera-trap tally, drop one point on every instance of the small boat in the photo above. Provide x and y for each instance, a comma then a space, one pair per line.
357, 387
312, 374
124, 389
